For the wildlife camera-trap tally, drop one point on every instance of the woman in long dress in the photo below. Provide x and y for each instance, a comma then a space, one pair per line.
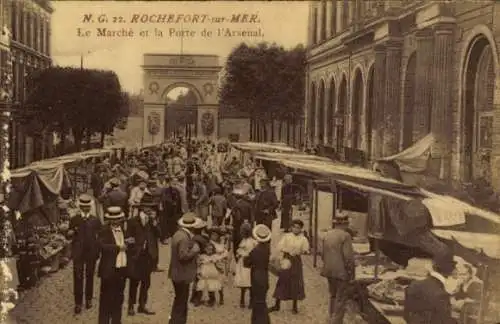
290, 285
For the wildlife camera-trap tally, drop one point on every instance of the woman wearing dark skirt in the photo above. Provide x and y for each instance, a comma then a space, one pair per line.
258, 262
290, 285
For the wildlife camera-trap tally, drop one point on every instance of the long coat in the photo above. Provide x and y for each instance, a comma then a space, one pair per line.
146, 238
109, 252
338, 255
427, 302
85, 243
266, 201
183, 265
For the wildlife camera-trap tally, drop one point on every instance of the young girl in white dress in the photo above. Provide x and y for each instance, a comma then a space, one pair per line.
210, 276
242, 274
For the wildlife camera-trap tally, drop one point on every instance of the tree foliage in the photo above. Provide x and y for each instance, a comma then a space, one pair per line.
265, 81
81, 102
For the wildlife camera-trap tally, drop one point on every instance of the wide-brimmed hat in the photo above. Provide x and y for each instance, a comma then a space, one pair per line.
114, 213
84, 200
240, 191
190, 220
114, 182
261, 233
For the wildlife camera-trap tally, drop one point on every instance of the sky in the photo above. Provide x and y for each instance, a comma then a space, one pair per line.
284, 23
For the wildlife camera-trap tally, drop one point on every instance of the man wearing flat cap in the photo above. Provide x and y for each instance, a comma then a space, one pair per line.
183, 265
427, 301
113, 265
83, 230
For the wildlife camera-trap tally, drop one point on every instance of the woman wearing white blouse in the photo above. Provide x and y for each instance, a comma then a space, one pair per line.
290, 285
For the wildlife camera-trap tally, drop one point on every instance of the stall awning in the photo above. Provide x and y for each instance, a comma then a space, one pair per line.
253, 146
489, 244
35, 188
358, 175
274, 156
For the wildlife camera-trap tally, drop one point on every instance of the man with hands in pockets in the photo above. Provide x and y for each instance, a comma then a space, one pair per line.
183, 265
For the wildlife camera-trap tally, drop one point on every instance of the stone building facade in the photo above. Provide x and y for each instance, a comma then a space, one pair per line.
383, 74
28, 22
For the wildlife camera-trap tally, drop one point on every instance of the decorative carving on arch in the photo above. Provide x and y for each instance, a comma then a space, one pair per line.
188, 85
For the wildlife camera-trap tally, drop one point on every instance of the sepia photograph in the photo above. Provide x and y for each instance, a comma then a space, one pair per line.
285, 162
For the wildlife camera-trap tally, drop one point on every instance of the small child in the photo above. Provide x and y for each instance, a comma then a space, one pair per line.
242, 275
216, 239
210, 278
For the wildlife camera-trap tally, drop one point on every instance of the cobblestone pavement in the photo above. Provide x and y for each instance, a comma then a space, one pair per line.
52, 301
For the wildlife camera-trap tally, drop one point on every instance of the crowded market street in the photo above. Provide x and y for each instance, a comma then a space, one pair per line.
52, 301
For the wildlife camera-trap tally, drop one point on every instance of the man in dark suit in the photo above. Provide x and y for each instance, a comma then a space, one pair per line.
172, 209
266, 204
142, 256
83, 229
258, 262
113, 266
241, 211
426, 301
183, 267
114, 195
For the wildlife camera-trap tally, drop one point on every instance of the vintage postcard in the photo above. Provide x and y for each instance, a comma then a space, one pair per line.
190, 162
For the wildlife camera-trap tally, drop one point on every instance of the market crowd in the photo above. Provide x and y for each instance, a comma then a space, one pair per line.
216, 214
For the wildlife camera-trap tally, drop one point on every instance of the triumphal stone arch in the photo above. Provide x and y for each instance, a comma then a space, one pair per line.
165, 72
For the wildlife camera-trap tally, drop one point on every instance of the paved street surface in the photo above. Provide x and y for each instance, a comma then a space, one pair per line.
52, 301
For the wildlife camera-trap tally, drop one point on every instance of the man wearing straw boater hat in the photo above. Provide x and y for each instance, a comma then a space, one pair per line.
183, 267
143, 254
338, 265
258, 262
83, 230
113, 266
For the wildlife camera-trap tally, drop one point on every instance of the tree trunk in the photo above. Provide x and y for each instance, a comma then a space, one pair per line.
63, 143
101, 141
288, 132
294, 134
264, 131
43, 139
280, 131
78, 136
272, 130
251, 129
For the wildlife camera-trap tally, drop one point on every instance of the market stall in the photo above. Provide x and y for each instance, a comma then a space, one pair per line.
387, 274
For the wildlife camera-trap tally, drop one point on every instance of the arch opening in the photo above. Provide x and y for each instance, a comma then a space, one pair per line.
479, 84
341, 113
312, 112
357, 108
369, 110
330, 113
409, 102
321, 113
181, 112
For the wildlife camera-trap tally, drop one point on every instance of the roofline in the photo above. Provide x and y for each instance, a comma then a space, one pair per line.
168, 54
